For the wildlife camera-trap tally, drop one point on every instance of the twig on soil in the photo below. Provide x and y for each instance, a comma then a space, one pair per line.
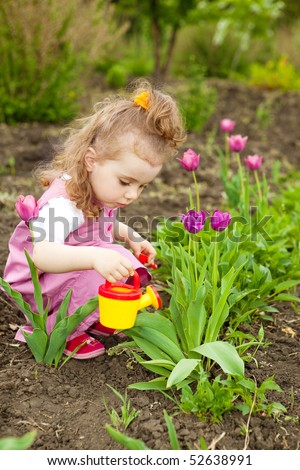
32, 423
212, 445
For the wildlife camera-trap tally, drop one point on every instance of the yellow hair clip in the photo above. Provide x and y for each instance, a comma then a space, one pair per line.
142, 100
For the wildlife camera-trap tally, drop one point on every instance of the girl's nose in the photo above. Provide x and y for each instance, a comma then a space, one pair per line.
132, 193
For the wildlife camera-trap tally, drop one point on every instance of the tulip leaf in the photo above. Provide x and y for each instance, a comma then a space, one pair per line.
34, 318
150, 349
38, 296
223, 354
181, 371
37, 342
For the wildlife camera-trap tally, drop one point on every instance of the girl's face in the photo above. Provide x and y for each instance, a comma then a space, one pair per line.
117, 183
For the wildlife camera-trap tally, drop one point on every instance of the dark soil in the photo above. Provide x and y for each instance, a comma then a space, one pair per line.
66, 406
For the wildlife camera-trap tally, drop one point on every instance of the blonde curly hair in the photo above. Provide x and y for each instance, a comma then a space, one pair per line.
158, 127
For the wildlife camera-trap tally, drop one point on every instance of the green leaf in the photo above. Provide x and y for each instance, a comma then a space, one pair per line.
150, 349
63, 308
18, 443
37, 342
66, 326
172, 432
38, 296
287, 298
160, 383
125, 441
223, 354
181, 371
160, 340
158, 322
35, 319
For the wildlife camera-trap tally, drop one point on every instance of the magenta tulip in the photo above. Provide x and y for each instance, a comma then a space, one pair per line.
253, 162
227, 125
190, 160
27, 208
193, 221
237, 143
220, 220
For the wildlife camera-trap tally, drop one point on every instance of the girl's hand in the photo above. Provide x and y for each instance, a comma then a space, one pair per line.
143, 247
112, 265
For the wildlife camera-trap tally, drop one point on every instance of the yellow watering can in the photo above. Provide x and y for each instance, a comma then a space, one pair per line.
119, 303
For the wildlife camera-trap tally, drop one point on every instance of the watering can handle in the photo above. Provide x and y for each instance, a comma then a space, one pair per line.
136, 281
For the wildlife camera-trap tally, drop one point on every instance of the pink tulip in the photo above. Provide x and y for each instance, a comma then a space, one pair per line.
237, 143
190, 160
227, 125
27, 208
220, 220
253, 162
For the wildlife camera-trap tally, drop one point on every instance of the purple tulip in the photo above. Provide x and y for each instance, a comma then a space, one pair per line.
253, 162
193, 221
190, 160
237, 143
27, 208
220, 220
227, 125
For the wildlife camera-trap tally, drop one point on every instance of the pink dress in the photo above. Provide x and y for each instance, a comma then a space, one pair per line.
84, 284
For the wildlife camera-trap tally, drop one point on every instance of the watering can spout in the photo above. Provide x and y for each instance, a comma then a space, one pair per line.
151, 298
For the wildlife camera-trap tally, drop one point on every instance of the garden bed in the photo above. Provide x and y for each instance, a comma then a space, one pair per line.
66, 406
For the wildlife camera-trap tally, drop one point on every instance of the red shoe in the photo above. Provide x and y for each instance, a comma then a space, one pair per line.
90, 347
100, 330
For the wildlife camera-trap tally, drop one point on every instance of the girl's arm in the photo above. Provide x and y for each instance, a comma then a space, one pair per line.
124, 233
137, 243
58, 258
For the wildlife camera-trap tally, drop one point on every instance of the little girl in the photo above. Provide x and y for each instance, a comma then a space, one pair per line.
105, 163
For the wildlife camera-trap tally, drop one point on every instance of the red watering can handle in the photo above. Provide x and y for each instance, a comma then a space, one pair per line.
136, 282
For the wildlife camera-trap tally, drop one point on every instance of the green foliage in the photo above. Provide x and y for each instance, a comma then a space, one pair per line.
45, 47
275, 75
136, 444
9, 167
36, 72
48, 348
128, 414
116, 76
196, 99
18, 443
212, 399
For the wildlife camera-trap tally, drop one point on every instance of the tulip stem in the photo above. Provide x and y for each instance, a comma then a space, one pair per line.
227, 152
195, 260
241, 176
31, 232
197, 191
258, 186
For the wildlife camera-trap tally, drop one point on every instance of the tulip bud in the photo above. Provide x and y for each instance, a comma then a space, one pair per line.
220, 220
190, 160
253, 162
193, 221
237, 143
27, 208
227, 125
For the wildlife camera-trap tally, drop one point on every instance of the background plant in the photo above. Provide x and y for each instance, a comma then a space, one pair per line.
43, 53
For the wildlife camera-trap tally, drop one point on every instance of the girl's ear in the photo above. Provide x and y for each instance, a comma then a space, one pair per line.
90, 159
